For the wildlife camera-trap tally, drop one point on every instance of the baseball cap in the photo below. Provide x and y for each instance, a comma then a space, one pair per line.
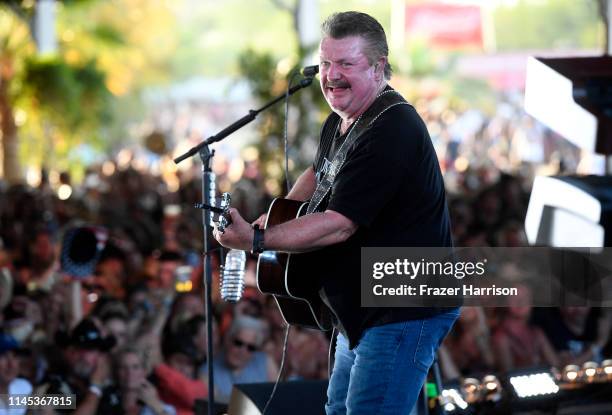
7, 343
87, 335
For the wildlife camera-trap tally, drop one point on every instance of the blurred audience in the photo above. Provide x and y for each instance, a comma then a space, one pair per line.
241, 359
176, 376
519, 344
79, 365
469, 343
578, 334
131, 392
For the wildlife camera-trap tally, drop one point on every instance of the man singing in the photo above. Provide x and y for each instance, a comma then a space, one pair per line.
375, 182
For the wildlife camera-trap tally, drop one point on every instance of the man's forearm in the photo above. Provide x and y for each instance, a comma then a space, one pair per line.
309, 232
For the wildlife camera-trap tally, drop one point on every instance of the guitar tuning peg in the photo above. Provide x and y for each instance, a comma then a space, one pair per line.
226, 200
222, 224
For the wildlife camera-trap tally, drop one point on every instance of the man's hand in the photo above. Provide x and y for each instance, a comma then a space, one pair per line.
239, 235
261, 221
148, 394
102, 372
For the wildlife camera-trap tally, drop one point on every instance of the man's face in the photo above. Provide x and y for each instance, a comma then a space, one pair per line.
167, 270
240, 348
131, 372
42, 251
82, 361
348, 80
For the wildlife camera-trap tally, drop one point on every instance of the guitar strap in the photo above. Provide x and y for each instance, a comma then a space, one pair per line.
385, 100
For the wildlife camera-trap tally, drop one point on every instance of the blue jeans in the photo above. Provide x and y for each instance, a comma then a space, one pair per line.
385, 372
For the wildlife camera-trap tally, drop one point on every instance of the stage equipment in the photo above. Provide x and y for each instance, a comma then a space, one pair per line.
573, 96
570, 211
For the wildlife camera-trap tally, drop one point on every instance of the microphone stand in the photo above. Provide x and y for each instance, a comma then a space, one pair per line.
208, 201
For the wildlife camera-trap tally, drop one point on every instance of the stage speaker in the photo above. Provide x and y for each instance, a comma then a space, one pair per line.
306, 397
201, 408
570, 211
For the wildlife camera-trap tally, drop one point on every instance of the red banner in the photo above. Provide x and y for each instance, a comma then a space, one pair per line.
445, 25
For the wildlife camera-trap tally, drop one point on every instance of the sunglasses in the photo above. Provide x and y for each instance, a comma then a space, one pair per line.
240, 343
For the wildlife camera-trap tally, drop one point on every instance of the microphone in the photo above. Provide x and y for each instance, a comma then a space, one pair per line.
232, 276
310, 71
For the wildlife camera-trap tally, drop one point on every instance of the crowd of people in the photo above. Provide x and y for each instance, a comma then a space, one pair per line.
131, 336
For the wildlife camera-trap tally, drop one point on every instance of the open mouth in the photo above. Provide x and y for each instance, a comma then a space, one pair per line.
337, 88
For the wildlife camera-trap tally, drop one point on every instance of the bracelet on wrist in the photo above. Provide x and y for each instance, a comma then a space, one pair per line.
258, 240
96, 390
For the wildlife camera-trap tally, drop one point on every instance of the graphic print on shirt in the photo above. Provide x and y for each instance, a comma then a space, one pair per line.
324, 170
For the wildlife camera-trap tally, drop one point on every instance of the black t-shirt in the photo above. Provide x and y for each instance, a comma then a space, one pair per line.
391, 186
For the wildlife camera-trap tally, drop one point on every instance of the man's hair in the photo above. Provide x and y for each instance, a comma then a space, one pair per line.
130, 349
243, 322
344, 24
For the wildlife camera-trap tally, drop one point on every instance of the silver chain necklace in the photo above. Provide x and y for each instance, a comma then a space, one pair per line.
337, 134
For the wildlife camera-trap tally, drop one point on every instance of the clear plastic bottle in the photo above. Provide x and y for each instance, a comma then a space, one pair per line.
232, 277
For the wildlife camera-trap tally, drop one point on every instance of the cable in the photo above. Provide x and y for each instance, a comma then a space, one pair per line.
280, 370
286, 131
331, 353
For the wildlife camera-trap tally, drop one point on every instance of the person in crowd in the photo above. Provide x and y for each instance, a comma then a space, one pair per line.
82, 366
111, 269
241, 359
578, 334
185, 306
40, 257
519, 344
195, 329
132, 392
115, 324
469, 343
308, 353
176, 377
147, 325
10, 383
169, 261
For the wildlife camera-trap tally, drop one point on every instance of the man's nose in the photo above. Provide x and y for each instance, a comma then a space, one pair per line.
333, 72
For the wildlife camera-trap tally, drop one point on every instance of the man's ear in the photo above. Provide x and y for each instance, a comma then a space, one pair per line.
379, 67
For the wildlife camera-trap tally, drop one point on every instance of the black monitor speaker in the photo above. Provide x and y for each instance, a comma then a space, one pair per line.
306, 397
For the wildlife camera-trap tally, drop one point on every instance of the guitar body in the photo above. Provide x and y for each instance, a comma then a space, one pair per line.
293, 279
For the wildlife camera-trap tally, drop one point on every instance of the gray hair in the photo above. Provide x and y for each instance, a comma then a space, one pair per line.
344, 24
243, 322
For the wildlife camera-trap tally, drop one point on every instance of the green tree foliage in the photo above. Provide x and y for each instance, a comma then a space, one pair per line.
549, 24
70, 96
52, 101
50, 105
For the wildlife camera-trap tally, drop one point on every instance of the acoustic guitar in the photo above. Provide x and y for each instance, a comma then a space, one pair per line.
291, 278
